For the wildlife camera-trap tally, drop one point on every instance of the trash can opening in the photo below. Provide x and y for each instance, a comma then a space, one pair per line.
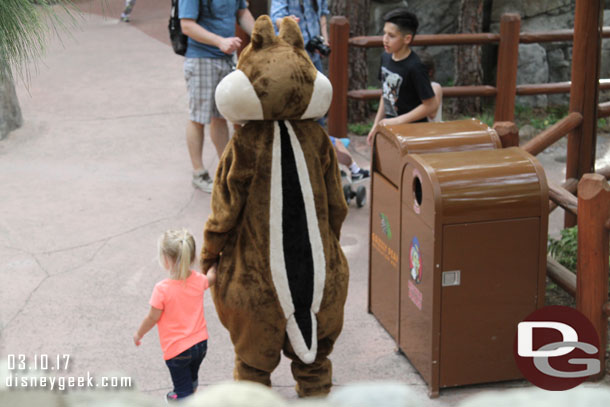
417, 192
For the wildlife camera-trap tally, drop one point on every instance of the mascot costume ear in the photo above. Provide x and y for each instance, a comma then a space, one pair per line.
277, 211
275, 79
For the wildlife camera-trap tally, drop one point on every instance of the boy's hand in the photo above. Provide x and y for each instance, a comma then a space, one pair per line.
369, 138
137, 339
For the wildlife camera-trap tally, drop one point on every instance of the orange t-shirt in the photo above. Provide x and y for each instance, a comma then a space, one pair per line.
182, 323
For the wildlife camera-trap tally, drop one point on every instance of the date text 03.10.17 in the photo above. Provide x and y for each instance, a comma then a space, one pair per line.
38, 362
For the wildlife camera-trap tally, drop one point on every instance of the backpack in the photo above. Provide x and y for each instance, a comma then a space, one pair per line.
177, 38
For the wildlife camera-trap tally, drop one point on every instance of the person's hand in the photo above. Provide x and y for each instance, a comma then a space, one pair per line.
278, 22
229, 45
369, 138
137, 339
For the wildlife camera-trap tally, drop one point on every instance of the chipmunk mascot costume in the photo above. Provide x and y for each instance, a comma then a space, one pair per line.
277, 211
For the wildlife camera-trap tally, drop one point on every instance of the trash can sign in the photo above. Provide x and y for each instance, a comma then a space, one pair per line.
415, 260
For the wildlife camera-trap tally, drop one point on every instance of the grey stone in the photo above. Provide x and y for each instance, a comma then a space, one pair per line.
10, 112
532, 68
527, 132
526, 8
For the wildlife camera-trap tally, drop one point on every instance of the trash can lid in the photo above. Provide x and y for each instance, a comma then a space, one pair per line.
428, 137
473, 186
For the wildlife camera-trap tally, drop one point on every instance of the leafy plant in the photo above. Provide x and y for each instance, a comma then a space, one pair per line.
24, 29
565, 249
361, 129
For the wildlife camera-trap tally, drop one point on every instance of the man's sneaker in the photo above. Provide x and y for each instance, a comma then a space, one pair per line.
361, 175
202, 181
125, 18
171, 397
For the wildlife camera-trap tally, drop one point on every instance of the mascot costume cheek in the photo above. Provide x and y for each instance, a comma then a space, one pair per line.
277, 211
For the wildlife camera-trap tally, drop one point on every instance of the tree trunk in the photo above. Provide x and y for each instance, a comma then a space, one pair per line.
357, 12
10, 112
468, 67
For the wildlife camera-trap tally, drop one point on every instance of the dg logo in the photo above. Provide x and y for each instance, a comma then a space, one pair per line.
557, 348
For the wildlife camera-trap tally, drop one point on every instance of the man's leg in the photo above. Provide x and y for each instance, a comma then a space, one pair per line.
194, 142
219, 132
314, 379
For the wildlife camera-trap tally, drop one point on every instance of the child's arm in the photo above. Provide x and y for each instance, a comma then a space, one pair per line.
378, 118
426, 108
151, 320
211, 274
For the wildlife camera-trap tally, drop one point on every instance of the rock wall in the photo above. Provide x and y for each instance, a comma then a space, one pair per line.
538, 63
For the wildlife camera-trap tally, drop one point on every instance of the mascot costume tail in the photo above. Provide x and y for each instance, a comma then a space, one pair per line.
277, 211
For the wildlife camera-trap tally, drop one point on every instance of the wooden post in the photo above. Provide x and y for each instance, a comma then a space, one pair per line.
337, 73
508, 133
592, 266
508, 59
584, 91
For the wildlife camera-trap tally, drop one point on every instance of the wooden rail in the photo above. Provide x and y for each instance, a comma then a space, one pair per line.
376, 41
570, 185
561, 275
553, 133
563, 198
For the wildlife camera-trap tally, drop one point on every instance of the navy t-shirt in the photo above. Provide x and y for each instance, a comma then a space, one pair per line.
405, 84
217, 16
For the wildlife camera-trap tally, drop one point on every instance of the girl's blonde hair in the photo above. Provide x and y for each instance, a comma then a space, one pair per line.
177, 246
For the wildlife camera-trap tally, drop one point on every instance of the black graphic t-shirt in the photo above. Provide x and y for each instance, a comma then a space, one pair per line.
405, 84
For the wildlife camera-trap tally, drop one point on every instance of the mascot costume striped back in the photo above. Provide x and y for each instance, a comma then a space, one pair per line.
277, 211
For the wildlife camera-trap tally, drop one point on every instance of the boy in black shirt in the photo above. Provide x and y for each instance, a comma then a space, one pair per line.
407, 95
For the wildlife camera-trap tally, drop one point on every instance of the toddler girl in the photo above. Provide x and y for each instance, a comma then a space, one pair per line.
177, 310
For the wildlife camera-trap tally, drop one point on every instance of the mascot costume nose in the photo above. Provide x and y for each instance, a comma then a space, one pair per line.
277, 211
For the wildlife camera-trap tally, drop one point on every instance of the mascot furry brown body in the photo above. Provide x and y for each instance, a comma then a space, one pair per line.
277, 211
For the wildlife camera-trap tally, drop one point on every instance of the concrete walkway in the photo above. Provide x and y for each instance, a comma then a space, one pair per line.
98, 171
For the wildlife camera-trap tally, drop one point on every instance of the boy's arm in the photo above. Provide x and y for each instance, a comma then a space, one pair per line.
425, 109
378, 118
245, 19
151, 320
228, 198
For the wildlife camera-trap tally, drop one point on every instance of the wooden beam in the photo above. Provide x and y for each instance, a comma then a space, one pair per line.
508, 56
553, 133
584, 93
592, 264
508, 133
337, 74
570, 185
563, 198
561, 275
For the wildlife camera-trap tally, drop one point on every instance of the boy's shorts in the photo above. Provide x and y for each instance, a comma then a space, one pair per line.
202, 75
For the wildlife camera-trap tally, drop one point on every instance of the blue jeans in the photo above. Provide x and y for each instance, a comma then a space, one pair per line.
184, 369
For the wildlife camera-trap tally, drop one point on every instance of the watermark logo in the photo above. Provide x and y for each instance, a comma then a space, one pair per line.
557, 348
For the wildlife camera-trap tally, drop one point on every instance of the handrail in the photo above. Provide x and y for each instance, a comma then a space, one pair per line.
373, 41
448, 92
561, 275
563, 198
570, 185
553, 133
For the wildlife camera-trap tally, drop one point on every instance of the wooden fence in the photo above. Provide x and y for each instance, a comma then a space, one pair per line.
592, 204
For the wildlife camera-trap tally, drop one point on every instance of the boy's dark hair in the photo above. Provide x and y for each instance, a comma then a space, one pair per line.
405, 20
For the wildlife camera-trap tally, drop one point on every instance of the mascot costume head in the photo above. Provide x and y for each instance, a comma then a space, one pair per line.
277, 211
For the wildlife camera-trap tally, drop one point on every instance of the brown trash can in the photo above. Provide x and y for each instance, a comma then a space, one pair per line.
391, 146
474, 234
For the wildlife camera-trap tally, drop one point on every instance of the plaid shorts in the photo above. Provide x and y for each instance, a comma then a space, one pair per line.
202, 76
